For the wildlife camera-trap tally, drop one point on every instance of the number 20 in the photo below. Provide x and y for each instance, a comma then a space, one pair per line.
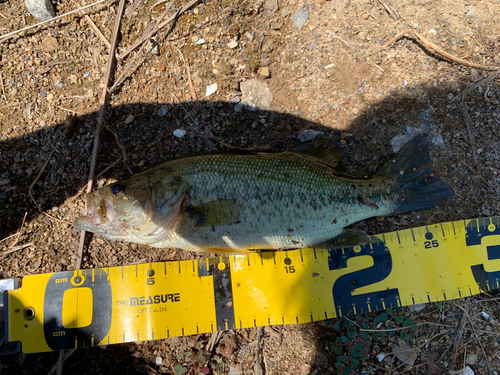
430, 244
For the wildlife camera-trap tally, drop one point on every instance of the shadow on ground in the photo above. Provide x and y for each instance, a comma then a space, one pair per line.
146, 139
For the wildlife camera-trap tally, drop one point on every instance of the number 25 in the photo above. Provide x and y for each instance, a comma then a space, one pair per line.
429, 244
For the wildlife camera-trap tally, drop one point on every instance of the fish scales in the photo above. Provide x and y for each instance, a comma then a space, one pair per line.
284, 201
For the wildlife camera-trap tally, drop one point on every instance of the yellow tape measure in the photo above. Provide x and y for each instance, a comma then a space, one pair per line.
158, 300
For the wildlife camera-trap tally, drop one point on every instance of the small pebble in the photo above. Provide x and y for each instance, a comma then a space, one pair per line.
263, 72
200, 41
162, 112
256, 94
211, 89
471, 13
232, 44
129, 119
309, 134
179, 133
271, 4
43, 93
40, 9
4, 181
300, 18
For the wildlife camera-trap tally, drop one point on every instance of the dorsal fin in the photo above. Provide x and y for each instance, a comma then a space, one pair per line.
323, 152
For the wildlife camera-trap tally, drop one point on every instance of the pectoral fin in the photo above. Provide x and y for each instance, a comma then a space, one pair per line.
349, 237
219, 212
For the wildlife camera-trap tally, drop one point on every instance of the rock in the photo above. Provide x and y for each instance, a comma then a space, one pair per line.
417, 308
40, 9
179, 133
471, 13
162, 112
285, 12
238, 108
211, 89
465, 371
309, 134
235, 100
381, 357
405, 354
4, 181
232, 44
263, 72
129, 119
486, 212
155, 50
471, 359
200, 41
256, 94
426, 126
250, 35
271, 4
233, 371
300, 18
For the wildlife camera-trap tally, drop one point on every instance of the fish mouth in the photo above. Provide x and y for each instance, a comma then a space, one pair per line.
100, 211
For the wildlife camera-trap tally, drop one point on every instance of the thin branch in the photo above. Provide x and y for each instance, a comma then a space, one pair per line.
96, 29
470, 131
440, 51
30, 192
473, 328
17, 248
122, 76
100, 118
159, 26
10, 35
199, 27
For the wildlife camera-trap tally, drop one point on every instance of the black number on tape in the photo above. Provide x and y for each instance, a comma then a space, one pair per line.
476, 230
345, 285
430, 244
59, 337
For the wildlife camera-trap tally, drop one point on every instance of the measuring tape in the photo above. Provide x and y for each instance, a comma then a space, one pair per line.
151, 301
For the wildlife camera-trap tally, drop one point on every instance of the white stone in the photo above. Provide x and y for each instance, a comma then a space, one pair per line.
40, 9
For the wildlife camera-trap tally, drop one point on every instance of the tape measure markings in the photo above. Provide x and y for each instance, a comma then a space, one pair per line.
158, 300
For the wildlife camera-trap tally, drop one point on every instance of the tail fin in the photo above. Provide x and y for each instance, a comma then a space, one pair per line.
411, 169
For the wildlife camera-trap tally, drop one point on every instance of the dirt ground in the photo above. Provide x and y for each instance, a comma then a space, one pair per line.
334, 75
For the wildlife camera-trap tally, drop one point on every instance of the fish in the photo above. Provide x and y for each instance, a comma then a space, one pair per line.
235, 203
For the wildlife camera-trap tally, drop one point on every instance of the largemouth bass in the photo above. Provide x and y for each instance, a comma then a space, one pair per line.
232, 202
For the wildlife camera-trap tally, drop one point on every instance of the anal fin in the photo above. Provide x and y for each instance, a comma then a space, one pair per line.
348, 237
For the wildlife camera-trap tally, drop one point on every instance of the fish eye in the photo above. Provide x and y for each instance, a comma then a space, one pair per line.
115, 190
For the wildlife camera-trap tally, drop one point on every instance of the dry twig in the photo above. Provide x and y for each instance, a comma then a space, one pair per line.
136, 56
478, 175
157, 27
17, 248
10, 35
470, 131
466, 312
30, 192
392, 12
131, 8
200, 27
100, 118
428, 44
94, 27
